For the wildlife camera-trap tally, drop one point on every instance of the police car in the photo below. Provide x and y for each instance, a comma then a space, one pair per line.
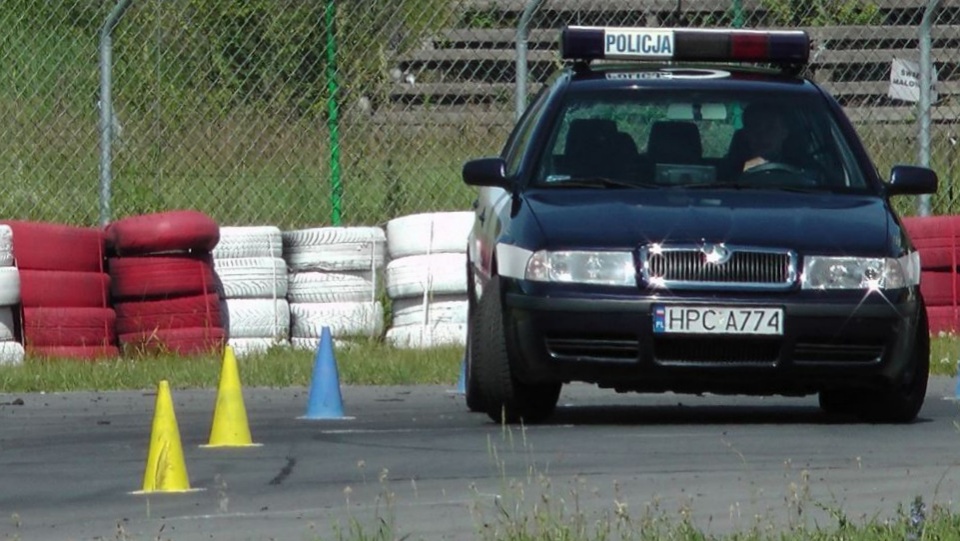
680, 210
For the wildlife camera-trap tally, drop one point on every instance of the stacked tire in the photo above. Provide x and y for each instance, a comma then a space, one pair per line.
937, 238
334, 272
163, 285
64, 291
11, 351
426, 279
252, 281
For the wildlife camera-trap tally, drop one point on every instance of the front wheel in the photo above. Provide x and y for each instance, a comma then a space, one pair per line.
504, 397
901, 401
840, 401
471, 387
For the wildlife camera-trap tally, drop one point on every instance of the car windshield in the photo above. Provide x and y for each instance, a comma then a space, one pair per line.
697, 139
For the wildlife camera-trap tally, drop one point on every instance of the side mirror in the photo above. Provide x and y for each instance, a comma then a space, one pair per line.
486, 172
911, 180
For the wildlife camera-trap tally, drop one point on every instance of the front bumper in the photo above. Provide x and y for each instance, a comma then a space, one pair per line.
827, 343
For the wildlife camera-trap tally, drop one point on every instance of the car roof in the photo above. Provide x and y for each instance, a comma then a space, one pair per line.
685, 76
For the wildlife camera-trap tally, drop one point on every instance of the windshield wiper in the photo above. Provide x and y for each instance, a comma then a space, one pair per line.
594, 182
718, 186
751, 186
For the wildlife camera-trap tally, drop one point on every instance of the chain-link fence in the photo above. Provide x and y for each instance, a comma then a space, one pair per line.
301, 113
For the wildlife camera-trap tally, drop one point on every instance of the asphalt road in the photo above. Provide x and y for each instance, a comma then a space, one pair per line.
415, 458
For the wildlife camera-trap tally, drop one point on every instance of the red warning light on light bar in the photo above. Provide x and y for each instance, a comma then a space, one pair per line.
686, 44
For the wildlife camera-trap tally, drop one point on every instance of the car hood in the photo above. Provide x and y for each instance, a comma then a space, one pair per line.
821, 223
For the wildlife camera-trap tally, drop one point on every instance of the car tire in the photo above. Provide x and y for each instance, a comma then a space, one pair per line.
6, 246
251, 277
249, 241
160, 232
505, 398
147, 277
63, 289
11, 353
901, 402
428, 233
55, 247
471, 387
334, 249
839, 402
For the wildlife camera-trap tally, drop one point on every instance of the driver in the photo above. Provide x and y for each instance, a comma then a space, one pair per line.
765, 131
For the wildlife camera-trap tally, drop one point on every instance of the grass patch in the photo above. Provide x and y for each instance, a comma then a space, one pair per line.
363, 363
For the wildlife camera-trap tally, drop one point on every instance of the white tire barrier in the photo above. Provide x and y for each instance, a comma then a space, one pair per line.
311, 344
11, 353
253, 241
334, 248
7, 327
251, 277
9, 286
438, 274
343, 318
244, 347
330, 287
6, 246
428, 233
266, 319
427, 336
439, 309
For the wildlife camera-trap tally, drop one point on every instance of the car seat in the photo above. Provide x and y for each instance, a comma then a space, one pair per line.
596, 148
673, 141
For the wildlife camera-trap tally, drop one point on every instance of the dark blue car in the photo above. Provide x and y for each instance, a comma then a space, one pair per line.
691, 221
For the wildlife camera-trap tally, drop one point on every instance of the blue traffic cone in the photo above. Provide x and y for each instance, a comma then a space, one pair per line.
956, 389
462, 382
325, 401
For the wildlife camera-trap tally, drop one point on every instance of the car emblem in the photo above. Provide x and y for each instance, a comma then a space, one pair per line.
715, 253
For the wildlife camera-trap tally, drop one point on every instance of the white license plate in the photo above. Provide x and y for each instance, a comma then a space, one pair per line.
717, 320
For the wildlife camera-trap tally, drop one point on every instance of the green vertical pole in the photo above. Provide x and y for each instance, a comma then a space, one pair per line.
737, 13
737, 23
336, 188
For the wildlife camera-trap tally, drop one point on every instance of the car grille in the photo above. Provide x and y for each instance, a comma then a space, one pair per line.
716, 351
717, 266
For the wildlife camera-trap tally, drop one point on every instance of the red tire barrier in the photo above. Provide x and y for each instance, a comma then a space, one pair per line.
937, 238
940, 288
49, 246
944, 319
64, 289
86, 353
158, 277
178, 313
69, 326
188, 341
172, 231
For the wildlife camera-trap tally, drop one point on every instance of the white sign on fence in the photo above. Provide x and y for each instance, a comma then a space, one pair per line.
905, 81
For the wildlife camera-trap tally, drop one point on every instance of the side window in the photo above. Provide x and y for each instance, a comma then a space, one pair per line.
517, 143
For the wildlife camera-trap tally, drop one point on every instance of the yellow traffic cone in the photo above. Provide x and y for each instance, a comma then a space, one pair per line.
166, 470
230, 428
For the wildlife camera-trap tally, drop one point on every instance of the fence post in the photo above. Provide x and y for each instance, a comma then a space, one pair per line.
926, 70
333, 123
106, 106
523, 31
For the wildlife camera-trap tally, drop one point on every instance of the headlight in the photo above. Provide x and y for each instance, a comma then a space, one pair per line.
853, 273
602, 268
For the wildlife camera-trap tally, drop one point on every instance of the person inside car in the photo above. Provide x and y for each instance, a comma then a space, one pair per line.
765, 133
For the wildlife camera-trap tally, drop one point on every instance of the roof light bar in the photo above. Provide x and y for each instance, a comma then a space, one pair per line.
686, 44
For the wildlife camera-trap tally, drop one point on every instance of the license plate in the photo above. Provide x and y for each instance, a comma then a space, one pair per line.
717, 320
